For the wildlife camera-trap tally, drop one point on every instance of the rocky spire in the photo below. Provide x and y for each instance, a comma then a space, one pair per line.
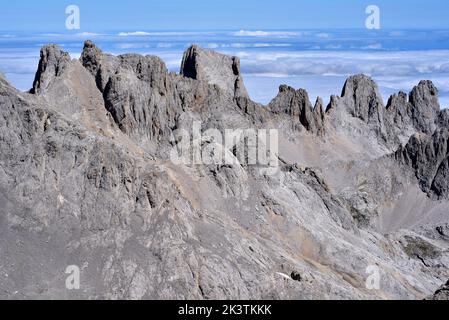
91, 57
214, 68
362, 99
333, 103
428, 155
414, 113
425, 106
53, 61
427, 151
99, 64
318, 114
398, 108
137, 92
296, 103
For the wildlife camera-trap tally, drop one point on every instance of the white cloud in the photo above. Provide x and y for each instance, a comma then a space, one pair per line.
416, 64
133, 34
373, 46
280, 34
333, 46
89, 34
132, 45
267, 45
239, 45
396, 34
163, 34
262, 57
242, 45
213, 45
50, 34
164, 45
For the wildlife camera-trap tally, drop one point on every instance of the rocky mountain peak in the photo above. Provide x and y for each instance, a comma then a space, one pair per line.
53, 61
398, 109
296, 103
425, 106
318, 108
397, 100
425, 93
91, 56
214, 68
362, 98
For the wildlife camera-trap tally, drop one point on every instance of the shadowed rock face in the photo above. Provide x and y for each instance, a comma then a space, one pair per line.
363, 100
136, 91
442, 293
296, 104
427, 150
443, 119
428, 155
52, 63
424, 99
214, 68
399, 109
420, 111
86, 179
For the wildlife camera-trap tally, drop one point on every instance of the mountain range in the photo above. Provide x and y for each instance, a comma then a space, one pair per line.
359, 189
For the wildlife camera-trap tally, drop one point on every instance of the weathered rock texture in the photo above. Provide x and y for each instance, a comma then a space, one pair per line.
87, 179
214, 68
296, 104
442, 293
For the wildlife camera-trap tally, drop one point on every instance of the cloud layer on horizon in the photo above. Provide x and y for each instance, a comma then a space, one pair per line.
268, 58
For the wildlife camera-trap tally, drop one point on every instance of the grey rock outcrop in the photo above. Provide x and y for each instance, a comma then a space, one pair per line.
416, 112
214, 68
424, 99
363, 100
52, 63
296, 104
402, 117
360, 108
87, 179
443, 119
442, 293
398, 106
318, 113
136, 91
428, 155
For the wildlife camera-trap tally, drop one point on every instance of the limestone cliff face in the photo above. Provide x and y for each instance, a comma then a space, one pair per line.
442, 293
214, 68
136, 91
86, 179
424, 99
296, 104
362, 99
428, 155
52, 63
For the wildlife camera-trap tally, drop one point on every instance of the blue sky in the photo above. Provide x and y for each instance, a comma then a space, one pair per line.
221, 14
